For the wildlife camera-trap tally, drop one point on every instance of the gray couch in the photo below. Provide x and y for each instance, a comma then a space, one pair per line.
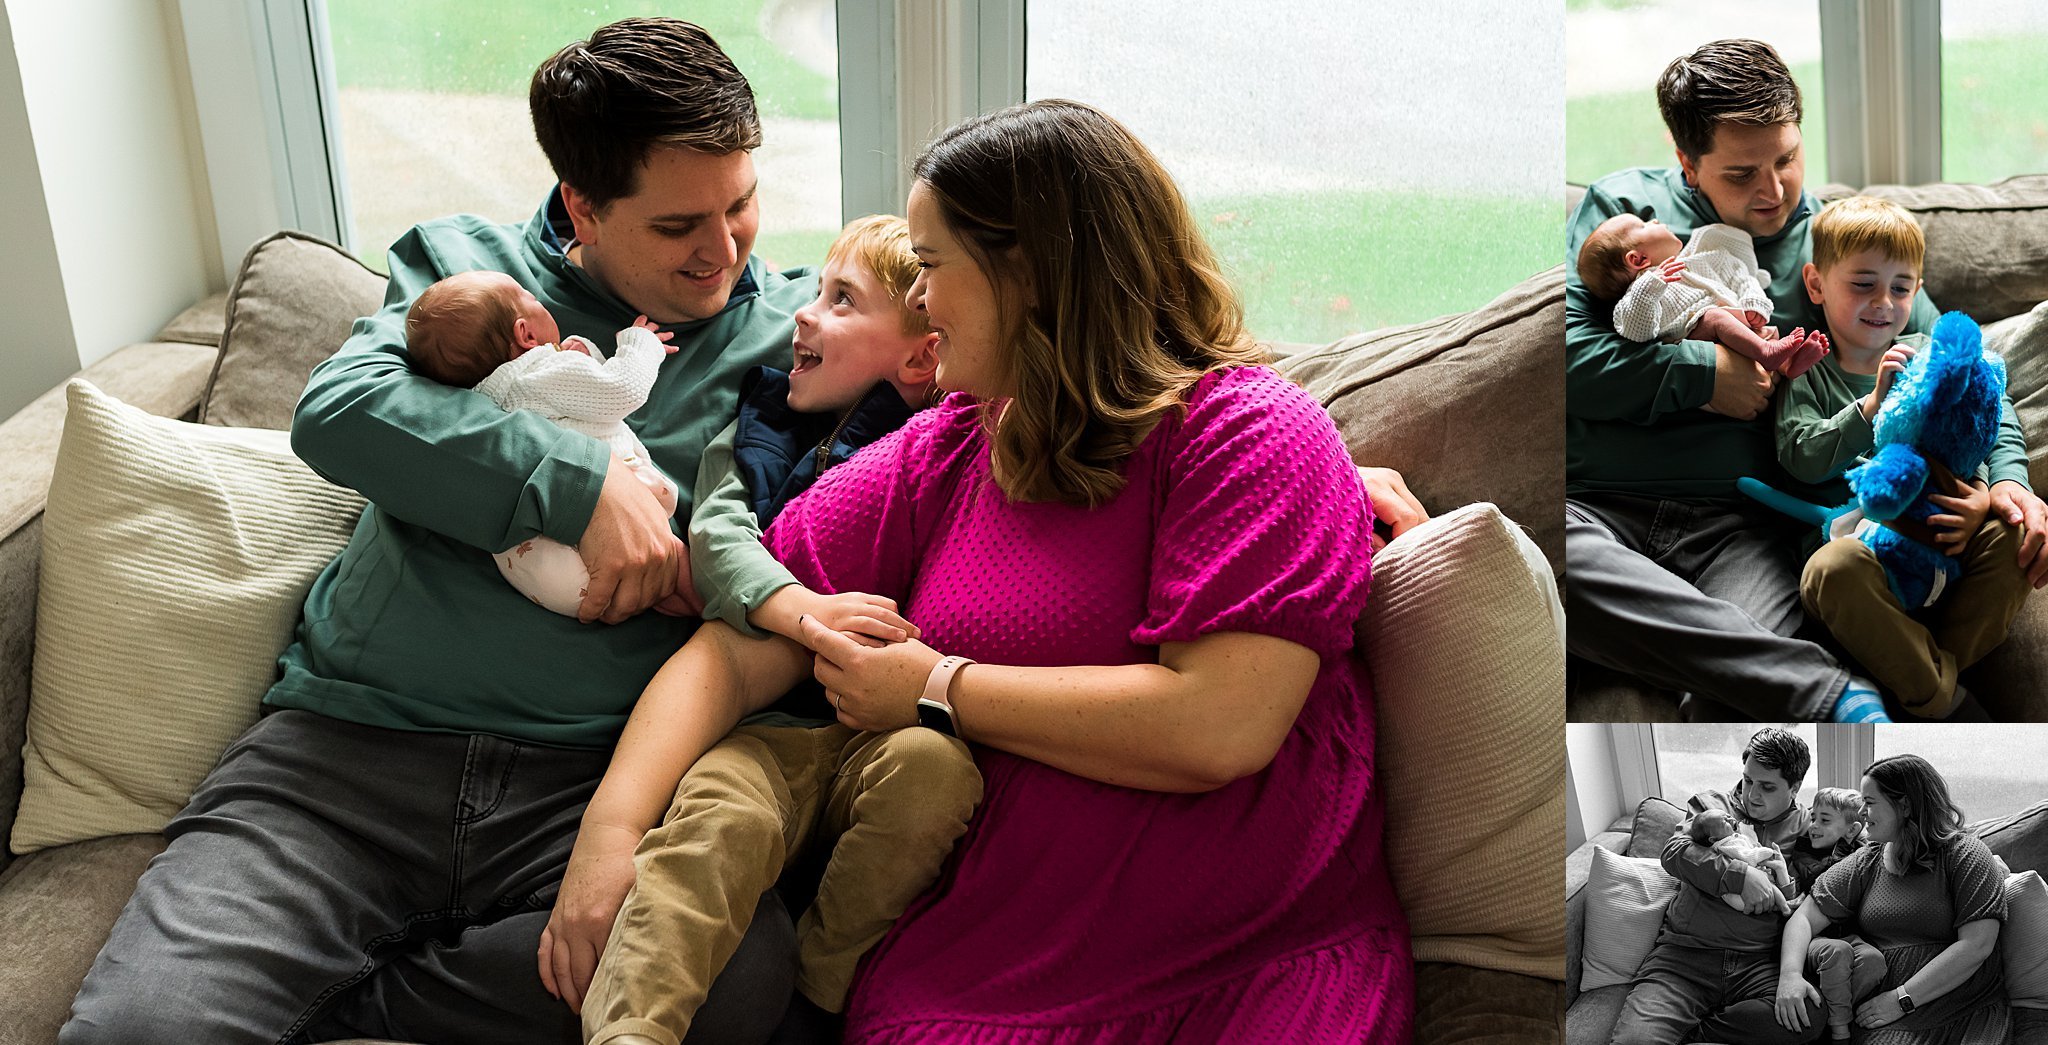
1413, 398
2020, 839
1985, 257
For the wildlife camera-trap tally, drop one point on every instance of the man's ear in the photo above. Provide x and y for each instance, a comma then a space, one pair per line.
1685, 166
1811, 277
582, 214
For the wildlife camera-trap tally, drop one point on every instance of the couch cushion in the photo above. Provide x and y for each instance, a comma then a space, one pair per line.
291, 306
1593, 1015
200, 324
1461, 1005
1463, 677
1651, 827
175, 559
1625, 901
58, 906
2023, 940
1465, 407
1984, 252
2020, 839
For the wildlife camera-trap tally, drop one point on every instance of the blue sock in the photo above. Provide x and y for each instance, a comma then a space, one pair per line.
1859, 702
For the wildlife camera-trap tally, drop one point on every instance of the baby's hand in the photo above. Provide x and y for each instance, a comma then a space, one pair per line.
666, 336
870, 619
1670, 269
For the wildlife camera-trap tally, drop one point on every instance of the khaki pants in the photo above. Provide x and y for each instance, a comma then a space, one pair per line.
891, 805
1844, 586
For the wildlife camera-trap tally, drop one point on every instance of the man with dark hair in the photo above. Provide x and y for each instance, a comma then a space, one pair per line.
378, 856
1713, 973
1671, 575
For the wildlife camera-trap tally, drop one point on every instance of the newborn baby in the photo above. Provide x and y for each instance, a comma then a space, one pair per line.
1716, 830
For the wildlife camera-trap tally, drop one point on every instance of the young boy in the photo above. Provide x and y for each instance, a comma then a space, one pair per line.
888, 806
1865, 272
1834, 829
1707, 289
483, 330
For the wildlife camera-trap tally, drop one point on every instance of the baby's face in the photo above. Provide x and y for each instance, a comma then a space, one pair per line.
540, 323
1653, 241
1825, 827
1715, 825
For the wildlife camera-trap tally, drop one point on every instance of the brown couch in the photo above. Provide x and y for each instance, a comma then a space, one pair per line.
2021, 840
1985, 257
1412, 398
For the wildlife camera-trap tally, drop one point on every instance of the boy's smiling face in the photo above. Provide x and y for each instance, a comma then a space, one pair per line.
851, 337
1825, 827
1868, 297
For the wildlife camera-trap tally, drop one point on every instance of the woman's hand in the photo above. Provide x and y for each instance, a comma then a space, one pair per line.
874, 689
1794, 995
594, 887
1880, 1010
1391, 502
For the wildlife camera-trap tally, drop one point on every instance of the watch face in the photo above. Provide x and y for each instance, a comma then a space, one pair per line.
935, 716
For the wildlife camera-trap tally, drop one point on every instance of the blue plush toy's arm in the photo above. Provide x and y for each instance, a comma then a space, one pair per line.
1890, 481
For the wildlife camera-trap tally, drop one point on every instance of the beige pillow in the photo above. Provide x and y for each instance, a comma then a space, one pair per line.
175, 560
2023, 940
1625, 901
1462, 637
293, 303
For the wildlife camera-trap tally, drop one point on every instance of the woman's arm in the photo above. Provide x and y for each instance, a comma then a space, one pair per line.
716, 679
1210, 712
1947, 971
1794, 993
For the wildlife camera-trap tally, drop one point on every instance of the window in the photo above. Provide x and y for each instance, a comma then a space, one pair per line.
1616, 49
1994, 89
1991, 770
1695, 758
1351, 170
433, 117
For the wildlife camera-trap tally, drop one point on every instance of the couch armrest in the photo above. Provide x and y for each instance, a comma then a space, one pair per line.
165, 379
1577, 867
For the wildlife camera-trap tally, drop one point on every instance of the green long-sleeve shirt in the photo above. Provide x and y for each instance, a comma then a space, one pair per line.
1632, 417
1822, 433
734, 572
412, 627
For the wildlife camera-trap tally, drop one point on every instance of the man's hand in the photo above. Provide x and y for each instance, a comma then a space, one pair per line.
594, 887
1962, 518
1742, 388
628, 548
2017, 505
684, 601
1794, 995
1760, 894
1391, 502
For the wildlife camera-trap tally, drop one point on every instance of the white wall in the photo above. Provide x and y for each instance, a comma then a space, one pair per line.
36, 345
106, 131
1595, 780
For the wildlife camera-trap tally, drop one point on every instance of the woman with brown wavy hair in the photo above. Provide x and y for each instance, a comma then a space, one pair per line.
1927, 894
1136, 556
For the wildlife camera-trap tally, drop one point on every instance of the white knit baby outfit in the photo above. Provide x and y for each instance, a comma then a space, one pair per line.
1720, 272
586, 394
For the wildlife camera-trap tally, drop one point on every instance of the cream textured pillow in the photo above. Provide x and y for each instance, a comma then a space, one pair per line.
2023, 940
175, 560
1625, 901
1462, 636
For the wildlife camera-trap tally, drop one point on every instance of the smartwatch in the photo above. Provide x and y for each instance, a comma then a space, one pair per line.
1905, 1002
934, 710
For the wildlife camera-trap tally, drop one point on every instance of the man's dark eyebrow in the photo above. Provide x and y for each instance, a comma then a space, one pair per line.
682, 219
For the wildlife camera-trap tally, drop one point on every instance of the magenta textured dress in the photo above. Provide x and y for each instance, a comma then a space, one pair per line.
1080, 912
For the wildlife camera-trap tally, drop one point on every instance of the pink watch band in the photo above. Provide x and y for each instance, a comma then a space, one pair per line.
940, 680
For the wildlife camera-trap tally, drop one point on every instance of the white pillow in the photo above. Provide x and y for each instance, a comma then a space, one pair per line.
175, 560
1461, 637
2023, 940
1625, 901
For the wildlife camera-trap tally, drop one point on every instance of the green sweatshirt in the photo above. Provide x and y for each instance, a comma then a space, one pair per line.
1632, 417
1822, 433
412, 627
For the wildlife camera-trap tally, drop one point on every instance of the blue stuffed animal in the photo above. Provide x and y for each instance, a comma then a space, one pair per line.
1945, 409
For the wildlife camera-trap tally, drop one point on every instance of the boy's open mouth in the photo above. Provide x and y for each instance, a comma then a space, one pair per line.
806, 359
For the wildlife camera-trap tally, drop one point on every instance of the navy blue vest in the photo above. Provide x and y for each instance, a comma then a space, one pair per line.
780, 452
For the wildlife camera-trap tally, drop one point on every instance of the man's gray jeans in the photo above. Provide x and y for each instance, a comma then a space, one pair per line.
1702, 597
332, 880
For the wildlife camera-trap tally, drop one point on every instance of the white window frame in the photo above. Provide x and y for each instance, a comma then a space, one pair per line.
263, 83
1881, 67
